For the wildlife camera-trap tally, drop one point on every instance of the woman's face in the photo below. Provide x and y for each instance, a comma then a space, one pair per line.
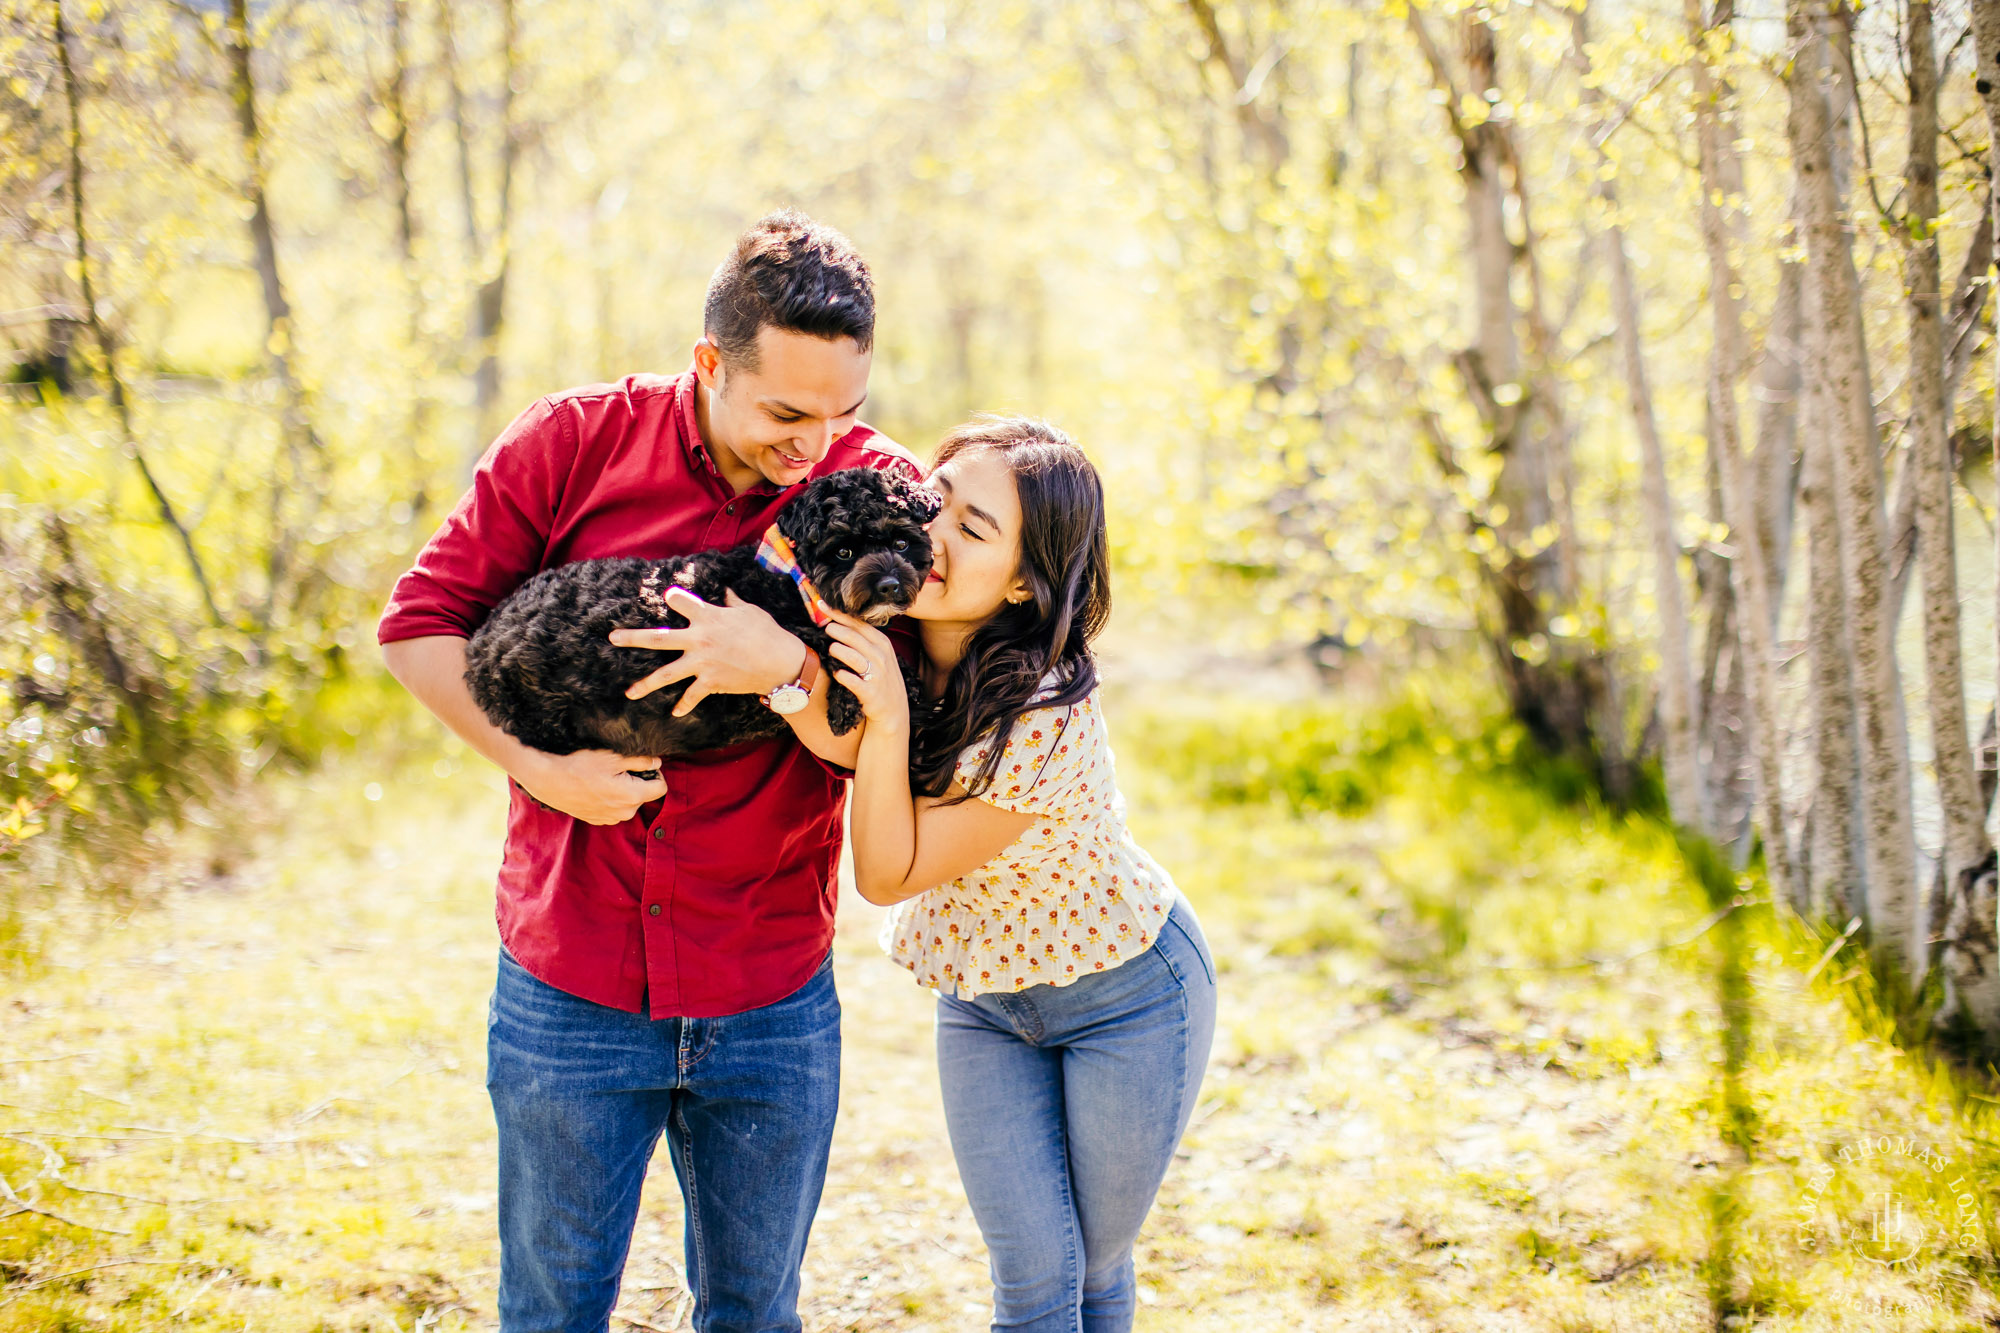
975, 541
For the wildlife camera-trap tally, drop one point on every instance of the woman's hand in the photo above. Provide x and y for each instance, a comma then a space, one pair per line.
871, 671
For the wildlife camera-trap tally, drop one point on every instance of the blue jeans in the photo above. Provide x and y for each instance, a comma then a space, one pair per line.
582, 1093
1065, 1105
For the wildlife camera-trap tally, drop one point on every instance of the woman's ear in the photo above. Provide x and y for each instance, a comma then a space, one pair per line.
1020, 592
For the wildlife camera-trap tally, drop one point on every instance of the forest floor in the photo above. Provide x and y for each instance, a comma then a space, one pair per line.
1465, 1077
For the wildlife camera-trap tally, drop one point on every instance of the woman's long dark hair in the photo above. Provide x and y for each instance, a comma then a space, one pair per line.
1066, 565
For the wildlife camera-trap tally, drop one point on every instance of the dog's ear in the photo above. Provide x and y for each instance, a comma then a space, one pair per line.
922, 502
807, 514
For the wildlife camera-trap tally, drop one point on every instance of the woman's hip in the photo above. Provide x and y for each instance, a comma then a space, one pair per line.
1168, 985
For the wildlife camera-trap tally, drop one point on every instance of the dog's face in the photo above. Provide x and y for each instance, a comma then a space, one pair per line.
860, 537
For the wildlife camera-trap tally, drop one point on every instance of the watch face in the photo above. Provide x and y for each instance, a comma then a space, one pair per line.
787, 699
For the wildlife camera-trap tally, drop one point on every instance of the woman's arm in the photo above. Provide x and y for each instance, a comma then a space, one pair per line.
902, 845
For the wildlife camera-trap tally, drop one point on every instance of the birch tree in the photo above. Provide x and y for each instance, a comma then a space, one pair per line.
1857, 500
1965, 840
489, 250
397, 94
1748, 570
1969, 926
300, 442
1555, 690
1687, 790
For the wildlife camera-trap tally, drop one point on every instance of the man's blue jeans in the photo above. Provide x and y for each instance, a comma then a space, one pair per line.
1065, 1105
582, 1093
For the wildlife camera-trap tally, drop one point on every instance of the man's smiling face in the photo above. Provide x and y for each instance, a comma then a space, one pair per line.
778, 418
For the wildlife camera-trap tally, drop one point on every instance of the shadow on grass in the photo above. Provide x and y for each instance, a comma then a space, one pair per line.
1728, 1298
1493, 810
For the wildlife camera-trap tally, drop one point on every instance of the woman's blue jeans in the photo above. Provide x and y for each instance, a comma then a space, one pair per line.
1065, 1105
583, 1093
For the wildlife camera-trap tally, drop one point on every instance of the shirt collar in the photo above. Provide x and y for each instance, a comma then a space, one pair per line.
684, 402
699, 452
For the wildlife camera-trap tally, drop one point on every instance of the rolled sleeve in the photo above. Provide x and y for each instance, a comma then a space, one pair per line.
496, 537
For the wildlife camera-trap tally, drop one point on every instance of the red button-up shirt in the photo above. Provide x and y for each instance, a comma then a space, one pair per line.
720, 897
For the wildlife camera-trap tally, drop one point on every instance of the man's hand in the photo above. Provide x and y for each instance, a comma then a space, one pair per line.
735, 648
596, 786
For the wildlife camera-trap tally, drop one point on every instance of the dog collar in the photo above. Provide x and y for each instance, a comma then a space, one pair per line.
775, 554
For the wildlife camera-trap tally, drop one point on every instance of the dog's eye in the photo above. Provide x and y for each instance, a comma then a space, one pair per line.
902, 545
845, 554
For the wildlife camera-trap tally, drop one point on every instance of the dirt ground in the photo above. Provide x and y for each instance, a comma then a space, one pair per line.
254, 1100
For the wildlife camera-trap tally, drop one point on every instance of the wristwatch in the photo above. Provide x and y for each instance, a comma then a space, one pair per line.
789, 699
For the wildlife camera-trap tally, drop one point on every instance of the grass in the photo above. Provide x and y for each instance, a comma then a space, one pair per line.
1468, 1076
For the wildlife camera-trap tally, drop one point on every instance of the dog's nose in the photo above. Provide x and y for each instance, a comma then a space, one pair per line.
889, 585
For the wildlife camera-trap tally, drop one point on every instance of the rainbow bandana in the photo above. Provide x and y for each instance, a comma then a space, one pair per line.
775, 554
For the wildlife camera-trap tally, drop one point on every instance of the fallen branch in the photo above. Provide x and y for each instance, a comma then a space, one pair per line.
1853, 924
1714, 919
199, 1292
23, 1206
636, 1322
53, 1278
137, 1130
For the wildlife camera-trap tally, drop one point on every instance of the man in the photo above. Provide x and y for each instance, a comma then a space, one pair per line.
666, 964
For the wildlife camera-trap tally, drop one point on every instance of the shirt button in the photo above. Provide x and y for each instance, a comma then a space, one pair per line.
654, 910
729, 509
660, 832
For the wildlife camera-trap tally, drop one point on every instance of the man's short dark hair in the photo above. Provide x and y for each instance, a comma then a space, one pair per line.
794, 274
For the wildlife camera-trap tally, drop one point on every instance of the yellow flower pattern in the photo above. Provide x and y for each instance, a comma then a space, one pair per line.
1072, 895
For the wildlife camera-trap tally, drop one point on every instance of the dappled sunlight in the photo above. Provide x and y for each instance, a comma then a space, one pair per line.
1547, 498
257, 1095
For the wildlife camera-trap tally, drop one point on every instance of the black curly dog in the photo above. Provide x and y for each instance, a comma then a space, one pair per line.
543, 669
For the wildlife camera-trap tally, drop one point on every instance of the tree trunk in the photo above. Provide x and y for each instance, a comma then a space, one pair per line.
489, 257
1556, 690
1969, 926
1778, 381
1838, 880
1965, 841
1968, 298
295, 427
396, 101
1260, 129
1857, 494
1687, 792
1723, 709
460, 127
107, 346
1739, 493
1836, 887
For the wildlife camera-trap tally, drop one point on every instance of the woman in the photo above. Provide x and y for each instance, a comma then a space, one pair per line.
1076, 994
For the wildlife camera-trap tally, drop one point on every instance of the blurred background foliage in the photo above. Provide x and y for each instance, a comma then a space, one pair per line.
274, 273
1460, 383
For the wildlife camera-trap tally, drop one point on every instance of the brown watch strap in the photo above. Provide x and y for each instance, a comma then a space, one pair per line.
809, 673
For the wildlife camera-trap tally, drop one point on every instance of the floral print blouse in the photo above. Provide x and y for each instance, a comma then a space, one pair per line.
1071, 896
